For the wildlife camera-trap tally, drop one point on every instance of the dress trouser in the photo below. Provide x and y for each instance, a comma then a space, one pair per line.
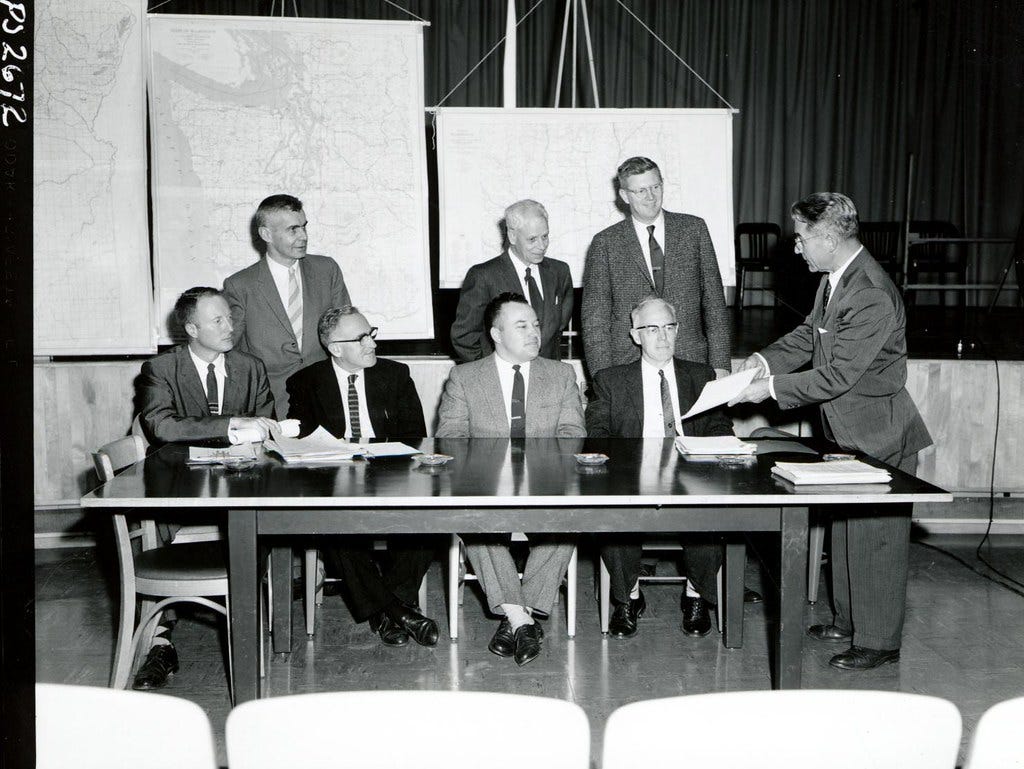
702, 557
371, 587
496, 570
869, 570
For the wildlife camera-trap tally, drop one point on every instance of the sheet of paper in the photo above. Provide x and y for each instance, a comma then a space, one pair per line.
719, 391
713, 445
387, 449
770, 446
203, 455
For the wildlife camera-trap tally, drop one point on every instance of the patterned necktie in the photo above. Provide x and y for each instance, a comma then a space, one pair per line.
353, 407
518, 426
657, 262
666, 407
295, 303
212, 394
826, 294
536, 301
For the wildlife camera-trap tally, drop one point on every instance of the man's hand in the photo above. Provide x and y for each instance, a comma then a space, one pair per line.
262, 425
755, 392
721, 372
754, 362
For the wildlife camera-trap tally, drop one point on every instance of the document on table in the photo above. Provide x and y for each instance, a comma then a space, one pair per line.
203, 455
387, 449
830, 473
318, 446
716, 445
719, 391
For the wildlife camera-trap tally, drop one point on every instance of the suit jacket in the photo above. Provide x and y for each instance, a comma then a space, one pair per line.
391, 400
616, 409
485, 281
616, 277
261, 322
174, 406
857, 349
472, 405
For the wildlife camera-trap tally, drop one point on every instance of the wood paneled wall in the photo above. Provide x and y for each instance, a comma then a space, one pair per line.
80, 406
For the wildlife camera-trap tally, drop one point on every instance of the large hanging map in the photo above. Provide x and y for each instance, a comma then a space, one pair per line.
566, 160
91, 242
330, 111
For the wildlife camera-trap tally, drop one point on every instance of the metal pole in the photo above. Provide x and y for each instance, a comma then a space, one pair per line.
590, 53
908, 210
561, 52
575, 31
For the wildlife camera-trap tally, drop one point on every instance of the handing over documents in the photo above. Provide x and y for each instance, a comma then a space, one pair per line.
719, 391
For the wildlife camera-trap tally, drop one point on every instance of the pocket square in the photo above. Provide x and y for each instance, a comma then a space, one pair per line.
822, 330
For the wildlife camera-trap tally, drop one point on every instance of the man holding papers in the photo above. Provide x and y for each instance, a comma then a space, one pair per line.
646, 399
357, 396
855, 342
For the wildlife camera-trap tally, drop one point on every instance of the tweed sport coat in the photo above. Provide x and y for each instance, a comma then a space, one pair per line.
616, 277
857, 349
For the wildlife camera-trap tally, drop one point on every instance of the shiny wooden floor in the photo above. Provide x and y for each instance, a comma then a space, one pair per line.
962, 641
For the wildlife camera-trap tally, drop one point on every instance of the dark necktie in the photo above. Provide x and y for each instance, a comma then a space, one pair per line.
536, 301
353, 407
826, 294
666, 407
657, 261
518, 426
212, 394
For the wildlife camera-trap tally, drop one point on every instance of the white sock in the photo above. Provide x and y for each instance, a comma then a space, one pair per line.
162, 637
690, 592
516, 615
634, 594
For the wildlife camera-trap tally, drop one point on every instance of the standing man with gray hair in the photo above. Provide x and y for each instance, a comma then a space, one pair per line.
653, 252
855, 342
522, 269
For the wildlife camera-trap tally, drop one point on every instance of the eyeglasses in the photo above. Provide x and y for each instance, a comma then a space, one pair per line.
652, 330
645, 191
371, 334
798, 241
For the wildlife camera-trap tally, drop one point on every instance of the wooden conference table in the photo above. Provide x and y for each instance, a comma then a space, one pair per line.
488, 487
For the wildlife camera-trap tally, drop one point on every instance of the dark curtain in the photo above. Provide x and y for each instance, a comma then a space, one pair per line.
832, 94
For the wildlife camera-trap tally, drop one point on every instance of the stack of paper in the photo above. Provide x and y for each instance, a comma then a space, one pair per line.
318, 446
201, 455
831, 473
716, 445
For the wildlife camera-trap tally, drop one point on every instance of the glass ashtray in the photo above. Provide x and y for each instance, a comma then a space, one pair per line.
238, 464
591, 460
432, 460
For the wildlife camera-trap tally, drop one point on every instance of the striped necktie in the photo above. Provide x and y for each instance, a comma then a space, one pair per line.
353, 408
295, 303
517, 411
212, 394
666, 407
536, 301
827, 293
657, 261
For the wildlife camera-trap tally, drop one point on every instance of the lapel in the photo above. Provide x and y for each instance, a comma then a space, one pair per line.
328, 392
538, 386
232, 402
548, 288
685, 389
634, 388
376, 387
636, 253
310, 338
490, 388
271, 297
509, 276
190, 385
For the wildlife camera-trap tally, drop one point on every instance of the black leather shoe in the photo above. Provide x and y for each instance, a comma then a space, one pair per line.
625, 616
390, 632
696, 618
503, 643
527, 644
161, 663
751, 596
423, 630
859, 658
829, 633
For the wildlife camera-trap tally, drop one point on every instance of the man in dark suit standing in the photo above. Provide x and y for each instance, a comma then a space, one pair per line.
855, 342
513, 393
199, 391
646, 398
521, 269
357, 396
276, 303
653, 251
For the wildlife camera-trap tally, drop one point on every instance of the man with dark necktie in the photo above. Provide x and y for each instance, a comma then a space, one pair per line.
513, 393
646, 398
200, 391
653, 251
359, 397
521, 269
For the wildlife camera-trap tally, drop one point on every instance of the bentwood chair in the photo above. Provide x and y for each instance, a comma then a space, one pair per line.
444, 728
90, 727
997, 742
787, 729
161, 575
754, 253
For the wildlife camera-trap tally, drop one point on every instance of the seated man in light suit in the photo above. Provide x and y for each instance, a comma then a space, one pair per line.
357, 396
646, 398
513, 393
199, 391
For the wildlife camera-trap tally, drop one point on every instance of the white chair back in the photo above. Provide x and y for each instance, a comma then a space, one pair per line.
397, 729
789, 729
93, 728
998, 742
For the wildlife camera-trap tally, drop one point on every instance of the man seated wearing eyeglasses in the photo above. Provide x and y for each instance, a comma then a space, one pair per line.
646, 398
653, 251
357, 396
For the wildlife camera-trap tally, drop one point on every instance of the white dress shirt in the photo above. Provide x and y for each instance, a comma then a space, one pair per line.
654, 417
365, 425
280, 275
506, 376
520, 268
645, 239
220, 373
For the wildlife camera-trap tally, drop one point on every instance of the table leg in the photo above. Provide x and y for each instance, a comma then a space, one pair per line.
244, 587
792, 596
735, 562
281, 568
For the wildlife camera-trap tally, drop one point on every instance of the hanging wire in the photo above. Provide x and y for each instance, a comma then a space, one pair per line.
669, 49
158, 5
406, 10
